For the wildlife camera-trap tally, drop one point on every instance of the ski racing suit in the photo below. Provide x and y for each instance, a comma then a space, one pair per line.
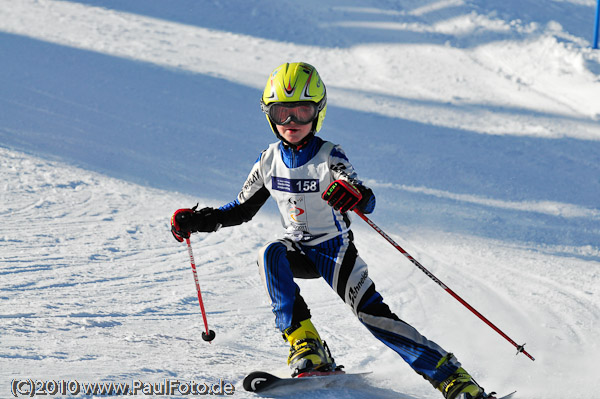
319, 243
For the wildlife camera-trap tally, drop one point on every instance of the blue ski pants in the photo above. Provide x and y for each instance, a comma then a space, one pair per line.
337, 262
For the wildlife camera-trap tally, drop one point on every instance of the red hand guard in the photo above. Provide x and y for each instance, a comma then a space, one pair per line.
342, 196
180, 224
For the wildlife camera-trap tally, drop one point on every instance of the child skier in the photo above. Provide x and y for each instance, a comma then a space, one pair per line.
315, 186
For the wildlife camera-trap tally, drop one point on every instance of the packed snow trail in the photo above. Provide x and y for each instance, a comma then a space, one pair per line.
472, 89
95, 288
475, 124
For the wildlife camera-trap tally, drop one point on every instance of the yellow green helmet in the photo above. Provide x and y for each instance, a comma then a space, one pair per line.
293, 83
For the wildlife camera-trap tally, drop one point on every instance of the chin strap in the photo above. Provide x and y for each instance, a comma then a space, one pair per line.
298, 146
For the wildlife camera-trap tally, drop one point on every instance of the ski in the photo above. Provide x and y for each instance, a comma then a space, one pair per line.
261, 381
505, 396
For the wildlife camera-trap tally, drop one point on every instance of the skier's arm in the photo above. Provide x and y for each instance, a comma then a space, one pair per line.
342, 169
237, 212
207, 220
249, 201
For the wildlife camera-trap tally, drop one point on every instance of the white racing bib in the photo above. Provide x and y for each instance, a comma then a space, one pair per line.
297, 191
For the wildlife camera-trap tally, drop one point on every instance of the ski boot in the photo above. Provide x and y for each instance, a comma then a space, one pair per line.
461, 385
307, 352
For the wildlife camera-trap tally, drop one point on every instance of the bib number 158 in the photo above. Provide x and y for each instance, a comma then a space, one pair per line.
307, 186
295, 185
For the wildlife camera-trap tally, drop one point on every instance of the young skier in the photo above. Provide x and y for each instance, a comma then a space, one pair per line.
315, 186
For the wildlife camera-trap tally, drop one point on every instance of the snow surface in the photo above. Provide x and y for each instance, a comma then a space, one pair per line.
477, 124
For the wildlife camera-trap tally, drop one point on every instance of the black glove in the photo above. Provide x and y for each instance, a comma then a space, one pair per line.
187, 221
342, 196
367, 203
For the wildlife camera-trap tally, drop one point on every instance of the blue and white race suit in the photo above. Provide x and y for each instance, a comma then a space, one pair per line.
318, 242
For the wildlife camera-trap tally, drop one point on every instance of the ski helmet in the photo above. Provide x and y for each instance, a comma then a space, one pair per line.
290, 84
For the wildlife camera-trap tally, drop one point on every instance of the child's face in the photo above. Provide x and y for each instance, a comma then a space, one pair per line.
293, 132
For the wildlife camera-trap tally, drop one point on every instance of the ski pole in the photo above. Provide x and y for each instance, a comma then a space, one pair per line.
520, 348
207, 335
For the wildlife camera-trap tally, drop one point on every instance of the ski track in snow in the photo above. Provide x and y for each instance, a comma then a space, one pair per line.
100, 289
94, 288
89, 294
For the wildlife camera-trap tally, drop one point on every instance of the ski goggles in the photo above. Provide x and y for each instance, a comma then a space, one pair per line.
301, 112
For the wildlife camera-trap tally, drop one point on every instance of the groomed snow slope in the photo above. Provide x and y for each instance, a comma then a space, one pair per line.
476, 125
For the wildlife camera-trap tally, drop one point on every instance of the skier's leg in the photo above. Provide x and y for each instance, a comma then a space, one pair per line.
349, 277
423, 355
278, 278
279, 262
